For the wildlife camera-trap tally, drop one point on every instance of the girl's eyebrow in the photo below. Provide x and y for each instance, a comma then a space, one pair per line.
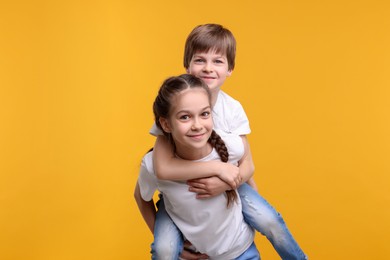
188, 111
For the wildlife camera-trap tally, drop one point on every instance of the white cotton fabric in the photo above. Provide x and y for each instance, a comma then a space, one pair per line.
209, 225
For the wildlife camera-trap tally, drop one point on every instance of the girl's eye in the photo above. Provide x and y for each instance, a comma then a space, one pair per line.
206, 114
184, 117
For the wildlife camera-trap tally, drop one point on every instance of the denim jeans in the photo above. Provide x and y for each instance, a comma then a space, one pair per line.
250, 254
168, 240
258, 213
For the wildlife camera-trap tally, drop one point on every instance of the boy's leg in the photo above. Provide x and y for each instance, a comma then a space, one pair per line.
168, 240
250, 254
263, 217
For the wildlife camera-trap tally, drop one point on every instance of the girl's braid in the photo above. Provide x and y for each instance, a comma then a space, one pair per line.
216, 141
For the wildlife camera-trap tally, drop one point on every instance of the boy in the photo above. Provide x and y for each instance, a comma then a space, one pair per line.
210, 55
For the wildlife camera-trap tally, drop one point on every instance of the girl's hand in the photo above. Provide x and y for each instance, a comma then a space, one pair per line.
207, 187
230, 174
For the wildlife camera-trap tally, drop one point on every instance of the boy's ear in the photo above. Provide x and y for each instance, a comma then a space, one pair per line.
187, 71
164, 124
230, 73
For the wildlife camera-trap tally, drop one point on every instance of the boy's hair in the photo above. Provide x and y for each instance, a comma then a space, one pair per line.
162, 106
206, 37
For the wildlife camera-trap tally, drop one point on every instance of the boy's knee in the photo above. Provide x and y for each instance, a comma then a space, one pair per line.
165, 250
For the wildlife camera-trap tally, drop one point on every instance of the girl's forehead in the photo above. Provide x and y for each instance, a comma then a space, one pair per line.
197, 92
190, 97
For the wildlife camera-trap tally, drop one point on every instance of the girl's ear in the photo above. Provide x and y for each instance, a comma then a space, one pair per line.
164, 124
230, 73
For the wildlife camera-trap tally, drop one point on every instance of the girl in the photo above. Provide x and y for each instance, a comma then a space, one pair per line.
210, 55
214, 226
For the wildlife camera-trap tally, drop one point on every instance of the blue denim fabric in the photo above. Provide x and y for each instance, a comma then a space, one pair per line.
168, 240
258, 213
250, 254
264, 218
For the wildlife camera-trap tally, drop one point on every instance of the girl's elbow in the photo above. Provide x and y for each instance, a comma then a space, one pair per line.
160, 173
161, 176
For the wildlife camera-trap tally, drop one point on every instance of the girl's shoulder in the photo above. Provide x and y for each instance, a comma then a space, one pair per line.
147, 162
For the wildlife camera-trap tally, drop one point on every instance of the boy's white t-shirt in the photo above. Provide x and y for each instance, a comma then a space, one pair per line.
228, 117
212, 227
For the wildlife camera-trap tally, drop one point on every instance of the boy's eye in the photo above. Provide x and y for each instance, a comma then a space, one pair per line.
219, 61
198, 60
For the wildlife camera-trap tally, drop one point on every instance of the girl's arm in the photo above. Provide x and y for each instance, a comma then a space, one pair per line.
146, 208
148, 212
168, 167
212, 186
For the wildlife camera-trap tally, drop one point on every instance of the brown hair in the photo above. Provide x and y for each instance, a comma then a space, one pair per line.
216, 141
162, 106
170, 87
210, 37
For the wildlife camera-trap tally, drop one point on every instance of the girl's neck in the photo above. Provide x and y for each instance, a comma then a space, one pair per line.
191, 153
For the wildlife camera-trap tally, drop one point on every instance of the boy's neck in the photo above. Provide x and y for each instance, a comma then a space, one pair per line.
214, 95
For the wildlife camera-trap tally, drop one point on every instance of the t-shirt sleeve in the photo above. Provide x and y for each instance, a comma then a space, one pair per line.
155, 130
147, 180
240, 122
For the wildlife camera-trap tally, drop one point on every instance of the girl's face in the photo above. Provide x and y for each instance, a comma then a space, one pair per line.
190, 123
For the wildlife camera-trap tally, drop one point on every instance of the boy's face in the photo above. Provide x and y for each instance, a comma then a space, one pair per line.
211, 67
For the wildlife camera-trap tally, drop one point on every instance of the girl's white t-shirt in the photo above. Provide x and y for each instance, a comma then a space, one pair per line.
212, 227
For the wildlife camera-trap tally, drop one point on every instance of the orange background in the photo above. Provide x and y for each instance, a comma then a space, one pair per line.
77, 81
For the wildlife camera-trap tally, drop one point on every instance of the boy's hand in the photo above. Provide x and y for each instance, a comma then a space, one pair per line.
189, 254
207, 187
230, 174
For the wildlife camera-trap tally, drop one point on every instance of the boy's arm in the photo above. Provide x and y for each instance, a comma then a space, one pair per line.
146, 208
212, 186
246, 165
168, 167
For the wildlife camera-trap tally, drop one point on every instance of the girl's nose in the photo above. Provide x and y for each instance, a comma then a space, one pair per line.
196, 125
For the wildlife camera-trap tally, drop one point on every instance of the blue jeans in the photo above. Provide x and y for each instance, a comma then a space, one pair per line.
258, 213
250, 254
168, 240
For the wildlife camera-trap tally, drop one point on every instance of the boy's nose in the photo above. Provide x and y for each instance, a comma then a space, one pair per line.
208, 67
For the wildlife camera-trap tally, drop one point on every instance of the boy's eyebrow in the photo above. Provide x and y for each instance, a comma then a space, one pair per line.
203, 54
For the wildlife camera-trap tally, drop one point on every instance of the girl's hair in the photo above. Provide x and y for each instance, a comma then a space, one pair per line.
216, 141
162, 108
210, 37
171, 87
